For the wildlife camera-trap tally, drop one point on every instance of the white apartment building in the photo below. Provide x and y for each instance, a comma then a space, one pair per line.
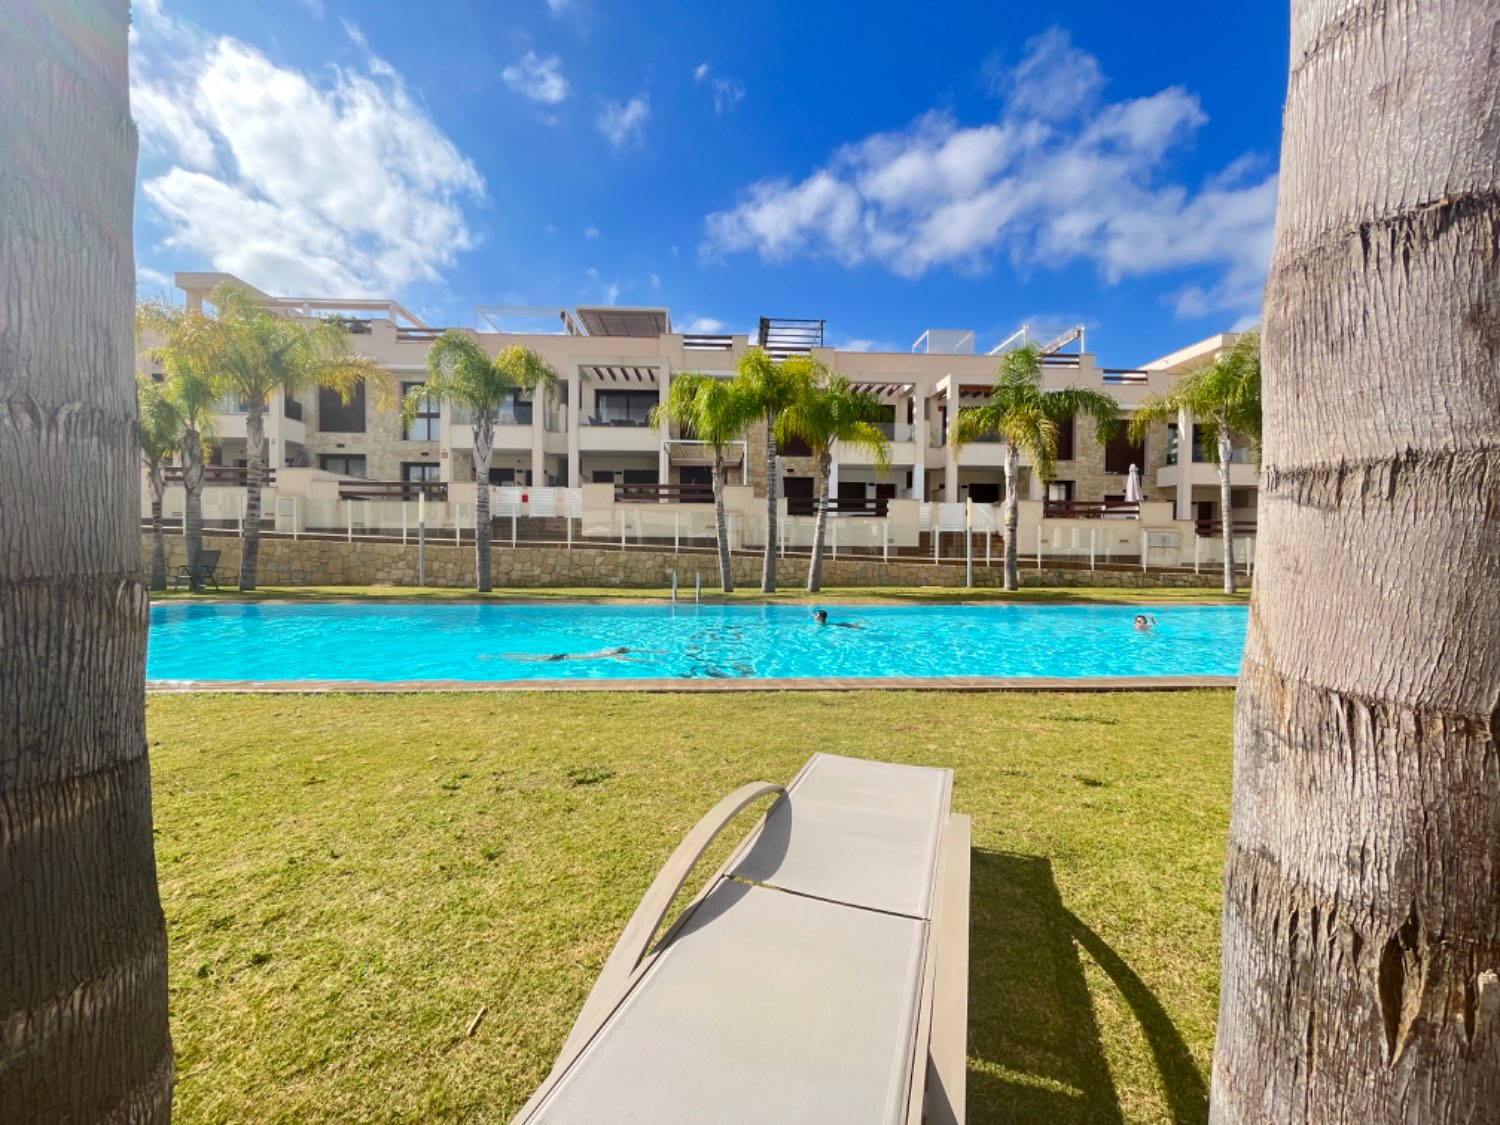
616, 363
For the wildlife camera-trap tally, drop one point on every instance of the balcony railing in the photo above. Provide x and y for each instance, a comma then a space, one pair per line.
596, 420
876, 506
1237, 456
392, 490
1123, 376
701, 342
1090, 509
219, 476
664, 494
895, 431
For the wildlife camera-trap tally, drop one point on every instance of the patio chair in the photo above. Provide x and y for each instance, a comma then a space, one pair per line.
195, 576
820, 976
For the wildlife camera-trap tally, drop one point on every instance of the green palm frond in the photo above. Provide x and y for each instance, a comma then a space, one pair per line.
461, 372
712, 410
830, 409
160, 420
1223, 395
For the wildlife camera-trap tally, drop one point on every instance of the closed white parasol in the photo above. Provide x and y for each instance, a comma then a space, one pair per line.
1133, 486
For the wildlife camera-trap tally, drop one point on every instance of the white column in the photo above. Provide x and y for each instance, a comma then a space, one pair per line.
919, 439
664, 384
950, 467
1184, 465
540, 404
1035, 492
575, 423
833, 479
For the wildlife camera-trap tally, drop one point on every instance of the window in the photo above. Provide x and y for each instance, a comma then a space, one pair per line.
420, 472
426, 426
1172, 443
1199, 457
639, 476
516, 412
1241, 498
794, 447
695, 474
335, 416
604, 476
1119, 454
508, 475
1065, 430
345, 464
624, 408
984, 492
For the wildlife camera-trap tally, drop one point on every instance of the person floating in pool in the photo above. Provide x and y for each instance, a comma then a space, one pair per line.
1144, 623
821, 617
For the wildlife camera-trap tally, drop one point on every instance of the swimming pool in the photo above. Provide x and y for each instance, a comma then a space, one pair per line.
481, 643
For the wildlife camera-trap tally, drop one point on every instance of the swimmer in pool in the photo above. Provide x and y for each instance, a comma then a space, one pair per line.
621, 653
821, 617
1144, 623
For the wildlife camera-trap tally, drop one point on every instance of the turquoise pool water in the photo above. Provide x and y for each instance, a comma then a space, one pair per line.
481, 643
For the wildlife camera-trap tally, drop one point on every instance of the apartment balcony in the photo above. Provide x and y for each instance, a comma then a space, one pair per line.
685, 451
510, 433
618, 435
903, 447
1242, 474
986, 453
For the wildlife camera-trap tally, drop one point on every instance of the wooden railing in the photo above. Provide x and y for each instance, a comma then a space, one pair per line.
1090, 509
392, 490
876, 506
1214, 529
1123, 375
664, 494
418, 333
219, 476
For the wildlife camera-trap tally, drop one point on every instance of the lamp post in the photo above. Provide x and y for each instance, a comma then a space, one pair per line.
422, 538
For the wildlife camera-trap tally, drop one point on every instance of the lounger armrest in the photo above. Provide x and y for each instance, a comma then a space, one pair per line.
635, 941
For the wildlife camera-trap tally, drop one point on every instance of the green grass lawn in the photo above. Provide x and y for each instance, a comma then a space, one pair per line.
349, 880
1041, 595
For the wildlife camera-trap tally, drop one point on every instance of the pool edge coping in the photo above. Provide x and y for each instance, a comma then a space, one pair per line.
691, 686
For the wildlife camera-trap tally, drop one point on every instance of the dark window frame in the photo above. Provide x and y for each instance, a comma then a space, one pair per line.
427, 424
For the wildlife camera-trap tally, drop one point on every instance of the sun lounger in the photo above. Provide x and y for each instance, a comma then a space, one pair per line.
821, 975
196, 575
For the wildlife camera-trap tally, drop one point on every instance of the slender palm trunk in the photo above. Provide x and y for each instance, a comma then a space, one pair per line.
768, 567
721, 525
1012, 519
255, 474
83, 954
158, 540
192, 504
1226, 514
1361, 944
820, 523
484, 435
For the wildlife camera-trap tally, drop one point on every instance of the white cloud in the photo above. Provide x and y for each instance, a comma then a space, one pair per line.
625, 124
655, 282
559, 7
145, 277
700, 72
537, 78
868, 346
702, 325
590, 232
611, 293
727, 94
314, 8
1030, 186
336, 183
1053, 80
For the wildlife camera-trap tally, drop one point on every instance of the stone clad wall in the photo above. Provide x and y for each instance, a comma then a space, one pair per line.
335, 562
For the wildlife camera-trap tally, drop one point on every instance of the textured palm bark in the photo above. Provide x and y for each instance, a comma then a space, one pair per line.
255, 475
484, 437
1226, 516
1012, 519
1361, 951
83, 967
158, 540
721, 526
768, 564
820, 523
192, 502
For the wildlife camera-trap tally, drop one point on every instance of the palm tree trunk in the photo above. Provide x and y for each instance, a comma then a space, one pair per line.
1012, 519
1361, 944
158, 540
820, 523
192, 504
484, 433
255, 473
721, 525
1225, 511
768, 567
83, 972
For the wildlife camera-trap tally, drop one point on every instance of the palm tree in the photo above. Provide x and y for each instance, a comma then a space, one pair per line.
829, 409
83, 1002
772, 387
1361, 920
188, 350
161, 437
1028, 417
263, 352
715, 412
1225, 396
462, 373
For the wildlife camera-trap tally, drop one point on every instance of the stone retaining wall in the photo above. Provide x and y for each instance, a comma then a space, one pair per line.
331, 562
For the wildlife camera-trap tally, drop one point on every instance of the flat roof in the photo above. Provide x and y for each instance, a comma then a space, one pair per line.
612, 320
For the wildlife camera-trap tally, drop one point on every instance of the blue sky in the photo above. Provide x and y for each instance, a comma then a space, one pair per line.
887, 167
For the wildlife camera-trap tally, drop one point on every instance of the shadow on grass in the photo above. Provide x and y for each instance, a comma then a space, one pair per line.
1034, 1047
